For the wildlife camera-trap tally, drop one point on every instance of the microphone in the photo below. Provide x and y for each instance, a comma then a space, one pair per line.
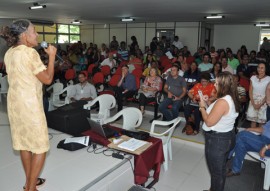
44, 44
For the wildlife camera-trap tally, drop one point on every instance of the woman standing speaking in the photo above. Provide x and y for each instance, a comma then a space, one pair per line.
219, 119
26, 73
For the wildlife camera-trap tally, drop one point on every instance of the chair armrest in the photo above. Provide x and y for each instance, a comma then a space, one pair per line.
113, 118
90, 104
163, 123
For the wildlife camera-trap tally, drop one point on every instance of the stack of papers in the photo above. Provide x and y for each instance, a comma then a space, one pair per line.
132, 144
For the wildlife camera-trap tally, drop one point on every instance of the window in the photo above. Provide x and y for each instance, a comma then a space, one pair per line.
58, 33
264, 33
68, 33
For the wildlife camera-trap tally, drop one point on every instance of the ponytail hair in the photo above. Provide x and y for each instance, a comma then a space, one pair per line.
11, 34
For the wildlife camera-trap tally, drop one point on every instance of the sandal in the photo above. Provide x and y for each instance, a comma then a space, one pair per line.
40, 182
195, 132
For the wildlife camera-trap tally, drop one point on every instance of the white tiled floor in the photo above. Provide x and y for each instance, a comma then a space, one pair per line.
187, 171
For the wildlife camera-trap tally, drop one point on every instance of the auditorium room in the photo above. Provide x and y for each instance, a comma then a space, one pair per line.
134, 95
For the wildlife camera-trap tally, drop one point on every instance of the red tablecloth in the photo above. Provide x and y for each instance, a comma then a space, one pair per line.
152, 158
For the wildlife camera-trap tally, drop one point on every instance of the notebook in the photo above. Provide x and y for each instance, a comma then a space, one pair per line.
99, 129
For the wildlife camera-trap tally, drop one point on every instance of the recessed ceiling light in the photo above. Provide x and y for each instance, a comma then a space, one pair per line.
37, 6
127, 19
262, 24
215, 16
76, 22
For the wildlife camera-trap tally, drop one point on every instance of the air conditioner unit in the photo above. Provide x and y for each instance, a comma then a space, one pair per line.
42, 22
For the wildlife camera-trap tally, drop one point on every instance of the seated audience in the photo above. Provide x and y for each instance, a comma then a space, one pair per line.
123, 52
233, 62
126, 87
225, 66
84, 90
146, 72
215, 71
243, 71
248, 141
205, 66
109, 61
176, 89
168, 71
192, 75
151, 85
208, 89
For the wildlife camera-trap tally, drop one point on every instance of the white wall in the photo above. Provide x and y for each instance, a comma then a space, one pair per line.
144, 32
234, 36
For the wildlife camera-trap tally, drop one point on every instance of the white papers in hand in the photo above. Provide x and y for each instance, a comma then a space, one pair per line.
81, 140
132, 144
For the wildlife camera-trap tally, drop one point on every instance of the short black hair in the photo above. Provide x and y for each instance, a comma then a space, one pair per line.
125, 65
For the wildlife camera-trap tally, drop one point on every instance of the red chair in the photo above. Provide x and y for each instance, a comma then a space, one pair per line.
90, 68
106, 70
162, 58
118, 71
98, 78
98, 81
137, 73
124, 62
70, 74
114, 80
166, 63
190, 59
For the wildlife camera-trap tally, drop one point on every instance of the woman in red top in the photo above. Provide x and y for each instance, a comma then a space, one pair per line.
208, 89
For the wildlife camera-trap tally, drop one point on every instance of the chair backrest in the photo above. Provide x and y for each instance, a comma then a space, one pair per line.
70, 91
98, 78
132, 118
106, 102
90, 68
137, 72
168, 132
70, 74
114, 80
58, 87
106, 70
4, 84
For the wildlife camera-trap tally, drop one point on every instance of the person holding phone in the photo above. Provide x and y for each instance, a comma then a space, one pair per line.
219, 119
207, 89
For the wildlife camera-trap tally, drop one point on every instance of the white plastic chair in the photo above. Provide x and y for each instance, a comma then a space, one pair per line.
132, 118
57, 102
4, 86
266, 161
106, 103
56, 88
165, 137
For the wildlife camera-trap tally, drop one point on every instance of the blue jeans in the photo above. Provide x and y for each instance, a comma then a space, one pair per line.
247, 141
174, 113
217, 148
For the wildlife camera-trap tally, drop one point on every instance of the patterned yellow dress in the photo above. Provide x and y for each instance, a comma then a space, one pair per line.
24, 101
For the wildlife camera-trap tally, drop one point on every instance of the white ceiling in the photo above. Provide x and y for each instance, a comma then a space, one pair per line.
111, 11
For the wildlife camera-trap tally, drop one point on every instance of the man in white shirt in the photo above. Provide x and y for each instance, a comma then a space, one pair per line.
83, 90
109, 61
205, 66
177, 43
